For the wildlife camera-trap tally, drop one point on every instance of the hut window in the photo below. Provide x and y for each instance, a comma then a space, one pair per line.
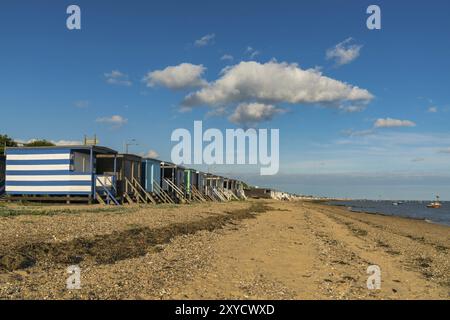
81, 162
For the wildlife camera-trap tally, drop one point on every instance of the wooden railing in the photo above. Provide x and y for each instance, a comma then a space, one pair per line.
135, 192
177, 190
103, 188
144, 192
219, 194
161, 193
197, 193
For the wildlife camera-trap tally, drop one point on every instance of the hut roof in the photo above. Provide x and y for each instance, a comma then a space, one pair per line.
98, 149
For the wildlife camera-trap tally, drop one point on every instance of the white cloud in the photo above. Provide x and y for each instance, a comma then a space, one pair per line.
361, 133
184, 109
217, 112
150, 154
432, 109
274, 82
81, 104
252, 52
205, 40
185, 75
227, 57
391, 123
251, 113
67, 142
344, 52
55, 142
118, 78
378, 124
352, 108
401, 138
445, 150
115, 120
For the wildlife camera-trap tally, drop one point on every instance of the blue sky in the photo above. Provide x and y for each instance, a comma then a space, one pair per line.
60, 84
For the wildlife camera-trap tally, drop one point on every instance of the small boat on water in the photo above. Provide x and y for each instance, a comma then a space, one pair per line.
435, 205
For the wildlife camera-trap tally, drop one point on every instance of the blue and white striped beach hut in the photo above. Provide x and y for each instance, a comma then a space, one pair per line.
2, 174
59, 170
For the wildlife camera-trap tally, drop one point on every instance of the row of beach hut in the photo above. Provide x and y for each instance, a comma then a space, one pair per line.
90, 173
2, 174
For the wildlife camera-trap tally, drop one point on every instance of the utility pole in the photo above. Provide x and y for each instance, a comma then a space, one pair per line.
126, 144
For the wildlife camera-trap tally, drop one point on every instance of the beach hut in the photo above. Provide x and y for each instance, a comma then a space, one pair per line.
60, 172
151, 180
151, 174
226, 183
183, 181
199, 182
234, 185
187, 181
214, 187
173, 181
194, 178
228, 189
237, 187
128, 177
2, 174
194, 185
191, 184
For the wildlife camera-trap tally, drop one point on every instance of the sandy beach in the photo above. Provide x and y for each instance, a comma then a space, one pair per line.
258, 249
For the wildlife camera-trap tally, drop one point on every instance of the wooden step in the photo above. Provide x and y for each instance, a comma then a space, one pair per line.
99, 199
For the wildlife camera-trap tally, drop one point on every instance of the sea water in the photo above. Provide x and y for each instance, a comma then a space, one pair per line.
407, 209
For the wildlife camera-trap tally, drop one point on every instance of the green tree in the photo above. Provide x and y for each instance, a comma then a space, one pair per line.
246, 186
39, 143
6, 141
